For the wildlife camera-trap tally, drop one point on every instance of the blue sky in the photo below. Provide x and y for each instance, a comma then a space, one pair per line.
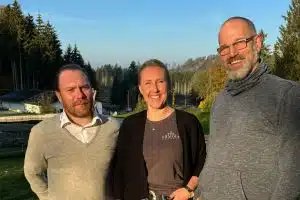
119, 31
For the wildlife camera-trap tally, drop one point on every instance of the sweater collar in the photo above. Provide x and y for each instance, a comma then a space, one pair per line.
235, 87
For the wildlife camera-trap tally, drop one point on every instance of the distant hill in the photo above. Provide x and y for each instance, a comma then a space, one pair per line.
2, 7
198, 63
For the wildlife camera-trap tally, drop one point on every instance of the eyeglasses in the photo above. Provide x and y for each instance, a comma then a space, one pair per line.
238, 45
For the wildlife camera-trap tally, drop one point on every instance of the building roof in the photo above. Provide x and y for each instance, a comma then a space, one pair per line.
19, 96
43, 98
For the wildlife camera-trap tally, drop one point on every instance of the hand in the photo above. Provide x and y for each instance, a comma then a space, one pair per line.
180, 194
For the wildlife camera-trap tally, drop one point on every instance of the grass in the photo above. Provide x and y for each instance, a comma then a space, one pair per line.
122, 116
11, 152
13, 185
203, 117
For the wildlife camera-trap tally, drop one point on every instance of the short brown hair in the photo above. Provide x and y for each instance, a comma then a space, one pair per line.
73, 67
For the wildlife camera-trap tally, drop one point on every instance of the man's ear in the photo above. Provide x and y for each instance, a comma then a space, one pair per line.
259, 39
58, 96
94, 93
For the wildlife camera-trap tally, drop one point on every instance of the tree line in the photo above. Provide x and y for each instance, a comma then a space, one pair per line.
31, 54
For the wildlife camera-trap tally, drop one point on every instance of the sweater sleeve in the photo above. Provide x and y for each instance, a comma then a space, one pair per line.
35, 164
288, 184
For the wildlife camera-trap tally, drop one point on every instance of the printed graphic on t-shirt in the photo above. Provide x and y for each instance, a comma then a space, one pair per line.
170, 136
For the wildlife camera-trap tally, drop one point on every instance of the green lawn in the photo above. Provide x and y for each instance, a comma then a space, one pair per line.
203, 117
13, 185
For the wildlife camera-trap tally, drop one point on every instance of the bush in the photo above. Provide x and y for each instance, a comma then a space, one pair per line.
207, 103
203, 117
141, 105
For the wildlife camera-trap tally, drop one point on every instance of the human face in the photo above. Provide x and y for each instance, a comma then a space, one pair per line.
75, 94
243, 47
153, 87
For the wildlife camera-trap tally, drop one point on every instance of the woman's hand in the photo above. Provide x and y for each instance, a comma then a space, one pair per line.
180, 194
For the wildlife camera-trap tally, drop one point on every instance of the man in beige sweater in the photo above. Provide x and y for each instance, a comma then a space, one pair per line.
68, 156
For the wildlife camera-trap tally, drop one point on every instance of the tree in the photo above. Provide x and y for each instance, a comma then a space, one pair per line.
200, 83
208, 82
67, 57
30, 52
265, 53
52, 55
287, 47
76, 57
141, 104
13, 21
132, 74
131, 83
217, 78
118, 91
30, 29
91, 74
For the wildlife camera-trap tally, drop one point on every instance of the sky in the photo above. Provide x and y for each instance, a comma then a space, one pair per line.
120, 31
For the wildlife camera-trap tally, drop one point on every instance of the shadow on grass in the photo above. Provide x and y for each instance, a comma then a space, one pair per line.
13, 185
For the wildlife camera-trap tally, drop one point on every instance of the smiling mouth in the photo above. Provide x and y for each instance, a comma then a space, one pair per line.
235, 62
154, 97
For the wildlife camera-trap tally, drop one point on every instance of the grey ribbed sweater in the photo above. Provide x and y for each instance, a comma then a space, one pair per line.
254, 144
75, 170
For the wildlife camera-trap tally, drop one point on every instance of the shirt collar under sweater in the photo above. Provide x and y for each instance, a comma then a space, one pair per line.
64, 119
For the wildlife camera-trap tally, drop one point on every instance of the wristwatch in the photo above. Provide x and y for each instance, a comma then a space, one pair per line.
188, 189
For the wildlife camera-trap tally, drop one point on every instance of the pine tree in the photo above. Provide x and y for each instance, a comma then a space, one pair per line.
132, 74
132, 83
265, 53
17, 27
91, 75
67, 57
52, 55
76, 57
30, 30
287, 48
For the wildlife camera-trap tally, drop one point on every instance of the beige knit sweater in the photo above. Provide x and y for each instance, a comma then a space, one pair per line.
74, 170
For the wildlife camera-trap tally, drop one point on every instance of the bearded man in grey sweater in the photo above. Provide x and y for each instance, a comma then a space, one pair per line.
253, 151
68, 156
